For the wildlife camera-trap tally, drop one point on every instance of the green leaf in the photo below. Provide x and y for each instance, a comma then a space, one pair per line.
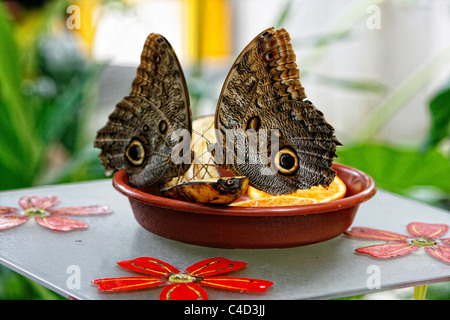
287, 9
351, 84
397, 169
20, 152
440, 117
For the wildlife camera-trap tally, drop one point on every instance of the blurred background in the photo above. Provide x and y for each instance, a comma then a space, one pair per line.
379, 71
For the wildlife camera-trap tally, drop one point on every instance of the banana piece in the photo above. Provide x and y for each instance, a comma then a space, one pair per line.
213, 190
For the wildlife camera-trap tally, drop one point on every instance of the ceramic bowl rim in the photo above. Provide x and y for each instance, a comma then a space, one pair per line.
120, 182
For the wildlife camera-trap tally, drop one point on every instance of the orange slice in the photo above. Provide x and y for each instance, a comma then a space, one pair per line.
278, 201
336, 190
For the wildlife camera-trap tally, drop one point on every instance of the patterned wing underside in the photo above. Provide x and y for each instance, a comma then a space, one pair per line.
264, 84
157, 105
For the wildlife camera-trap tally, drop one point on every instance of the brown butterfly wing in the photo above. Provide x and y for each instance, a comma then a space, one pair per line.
160, 79
263, 93
138, 134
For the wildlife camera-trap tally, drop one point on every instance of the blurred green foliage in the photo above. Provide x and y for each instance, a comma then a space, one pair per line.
48, 92
406, 171
47, 97
14, 286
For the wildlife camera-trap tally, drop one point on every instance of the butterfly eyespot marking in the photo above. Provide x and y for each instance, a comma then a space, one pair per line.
286, 161
269, 56
145, 128
156, 58
162, 127
135, 153
253, 123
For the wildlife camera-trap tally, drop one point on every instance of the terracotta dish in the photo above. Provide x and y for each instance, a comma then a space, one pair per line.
248, 227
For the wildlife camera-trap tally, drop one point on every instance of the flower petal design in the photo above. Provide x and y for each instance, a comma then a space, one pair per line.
388, 250
241, 284
441, 252
8, 210
58, 223
9, 221
183, 291
148, 265
80, 210
427, 230
38, 202
375, 234
127, 283
213, 266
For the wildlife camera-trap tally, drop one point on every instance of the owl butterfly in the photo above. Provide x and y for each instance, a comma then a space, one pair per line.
139, 135
262, 100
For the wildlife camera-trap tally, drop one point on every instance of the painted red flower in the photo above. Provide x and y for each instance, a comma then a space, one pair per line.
182, 285
422, 235
41, 209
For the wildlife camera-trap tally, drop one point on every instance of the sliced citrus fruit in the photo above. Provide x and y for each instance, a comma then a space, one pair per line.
278, 201
336, 190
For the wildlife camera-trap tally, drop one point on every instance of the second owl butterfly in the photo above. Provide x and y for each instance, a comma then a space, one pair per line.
147, 125
282, 142
265, 130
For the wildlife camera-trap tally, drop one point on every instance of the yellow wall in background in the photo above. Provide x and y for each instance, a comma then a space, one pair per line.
209, 28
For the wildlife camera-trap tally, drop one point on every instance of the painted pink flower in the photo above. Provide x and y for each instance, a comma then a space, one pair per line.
41, 209
186, 285
422, 235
